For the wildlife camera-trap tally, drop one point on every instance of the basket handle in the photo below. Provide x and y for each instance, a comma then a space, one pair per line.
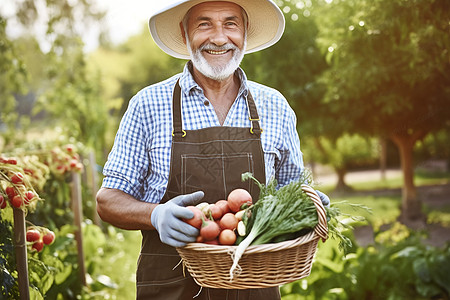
322, 227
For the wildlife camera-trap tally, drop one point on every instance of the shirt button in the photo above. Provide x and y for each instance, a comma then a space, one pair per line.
206, 103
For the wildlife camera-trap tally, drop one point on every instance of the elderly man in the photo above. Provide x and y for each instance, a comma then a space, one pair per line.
189, 138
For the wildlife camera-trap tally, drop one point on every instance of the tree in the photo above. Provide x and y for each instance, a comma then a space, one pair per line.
347, 151
293, 66
127, 68
389, 73
66, 90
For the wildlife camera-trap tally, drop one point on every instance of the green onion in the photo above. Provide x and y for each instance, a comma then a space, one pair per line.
276, 213
284, 214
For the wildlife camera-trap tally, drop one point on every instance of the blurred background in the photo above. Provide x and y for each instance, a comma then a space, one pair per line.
369, 81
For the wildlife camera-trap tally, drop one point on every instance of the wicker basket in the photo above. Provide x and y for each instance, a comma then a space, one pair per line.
261, 266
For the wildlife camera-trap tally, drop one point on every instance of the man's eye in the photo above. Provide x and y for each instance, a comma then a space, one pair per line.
204, 24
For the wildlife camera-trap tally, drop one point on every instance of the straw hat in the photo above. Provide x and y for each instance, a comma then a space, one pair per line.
265, 21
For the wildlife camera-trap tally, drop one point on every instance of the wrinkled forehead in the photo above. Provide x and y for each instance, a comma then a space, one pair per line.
208, 8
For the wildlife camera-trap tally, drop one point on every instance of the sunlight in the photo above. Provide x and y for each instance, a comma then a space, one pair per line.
300, 5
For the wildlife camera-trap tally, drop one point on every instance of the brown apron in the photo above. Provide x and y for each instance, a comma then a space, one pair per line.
212, 160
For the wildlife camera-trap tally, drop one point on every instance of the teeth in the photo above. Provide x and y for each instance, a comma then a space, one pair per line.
217, 52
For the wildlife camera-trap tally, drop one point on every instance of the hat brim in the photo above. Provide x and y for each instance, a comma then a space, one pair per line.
265, 25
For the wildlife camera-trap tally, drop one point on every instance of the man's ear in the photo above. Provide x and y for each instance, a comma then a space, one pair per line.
183, 33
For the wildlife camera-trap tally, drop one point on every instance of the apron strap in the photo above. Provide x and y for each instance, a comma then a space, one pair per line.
177, 121
177, 118
254, 117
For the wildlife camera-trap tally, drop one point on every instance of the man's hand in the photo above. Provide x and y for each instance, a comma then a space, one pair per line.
167, 220
324, 198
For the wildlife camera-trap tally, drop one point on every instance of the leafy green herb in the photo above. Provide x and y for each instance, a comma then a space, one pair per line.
283, 214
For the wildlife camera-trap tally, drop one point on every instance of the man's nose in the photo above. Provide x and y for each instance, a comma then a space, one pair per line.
218, 36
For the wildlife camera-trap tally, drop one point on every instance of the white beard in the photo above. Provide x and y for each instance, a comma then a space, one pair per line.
218, 73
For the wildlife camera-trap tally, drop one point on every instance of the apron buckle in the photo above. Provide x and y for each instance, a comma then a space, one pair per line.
183, 133
251, 128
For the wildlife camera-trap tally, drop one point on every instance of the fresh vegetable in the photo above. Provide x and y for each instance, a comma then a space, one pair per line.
17, 178
196, 220
237, 198
210, 230
10, 191
17, 201
38, 246
228, 221
212, 242
241, 228
223, 204
239, 215
203, 206
49, 237
2, 202
280, 215
214, 211
33, 235
277, 212
227, 237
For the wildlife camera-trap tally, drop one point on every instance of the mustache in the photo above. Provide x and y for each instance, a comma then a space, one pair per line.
213, 47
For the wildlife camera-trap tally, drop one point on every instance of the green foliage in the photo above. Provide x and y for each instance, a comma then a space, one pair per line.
293, 66
13, 78
404, 270
8, 273
74, 100
434, 146
344, 152
387, 58
133, 65
54, 272
67, 92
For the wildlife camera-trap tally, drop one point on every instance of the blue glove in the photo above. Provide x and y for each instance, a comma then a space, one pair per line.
324, 198
167, 220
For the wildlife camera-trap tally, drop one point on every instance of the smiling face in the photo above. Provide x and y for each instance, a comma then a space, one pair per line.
216, 38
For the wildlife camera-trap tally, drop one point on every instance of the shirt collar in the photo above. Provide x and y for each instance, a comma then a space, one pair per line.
188, 84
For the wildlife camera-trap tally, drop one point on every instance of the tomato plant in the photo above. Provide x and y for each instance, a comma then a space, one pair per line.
52, 264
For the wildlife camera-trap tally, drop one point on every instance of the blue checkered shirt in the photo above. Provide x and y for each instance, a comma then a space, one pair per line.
139, 161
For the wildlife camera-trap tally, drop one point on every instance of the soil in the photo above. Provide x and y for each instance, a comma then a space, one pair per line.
435, 197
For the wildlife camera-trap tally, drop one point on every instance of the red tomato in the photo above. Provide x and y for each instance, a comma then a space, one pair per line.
17, 201
73, 163
237, 198
210, 230
17, 178
38, 246
223, 204
228, 221
2, 202
196, 221
48, 238
10, 191
215, 211
28, 197
227, 237
33, 235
